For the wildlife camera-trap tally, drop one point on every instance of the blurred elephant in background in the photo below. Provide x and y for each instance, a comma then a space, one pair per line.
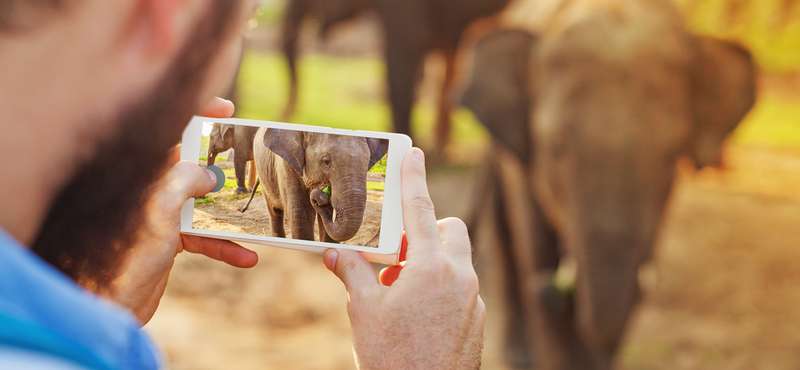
588, 119
309, 175
412, 28
226, 136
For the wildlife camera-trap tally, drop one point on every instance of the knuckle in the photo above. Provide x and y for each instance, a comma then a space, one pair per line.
422, 203
472, 284
439, 269
453, 226
347, 269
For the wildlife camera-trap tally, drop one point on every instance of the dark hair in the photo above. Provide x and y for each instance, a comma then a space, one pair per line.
23, 15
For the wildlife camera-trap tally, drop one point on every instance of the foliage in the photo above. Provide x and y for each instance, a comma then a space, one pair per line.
769, 28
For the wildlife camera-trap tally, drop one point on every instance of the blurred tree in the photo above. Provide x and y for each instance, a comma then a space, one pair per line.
770, 28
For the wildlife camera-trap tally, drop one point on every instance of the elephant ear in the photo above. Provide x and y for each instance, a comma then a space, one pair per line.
287, 144
377, 149
498, 91
723, 83
224, 128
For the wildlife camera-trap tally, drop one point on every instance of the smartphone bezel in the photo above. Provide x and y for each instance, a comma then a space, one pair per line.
391, 229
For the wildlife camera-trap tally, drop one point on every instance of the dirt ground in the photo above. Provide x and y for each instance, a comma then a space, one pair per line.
722, 292
223, 214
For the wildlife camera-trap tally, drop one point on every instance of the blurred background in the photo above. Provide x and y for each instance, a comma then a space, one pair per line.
723, 288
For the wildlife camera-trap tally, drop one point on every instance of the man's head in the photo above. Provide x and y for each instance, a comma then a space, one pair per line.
103, 90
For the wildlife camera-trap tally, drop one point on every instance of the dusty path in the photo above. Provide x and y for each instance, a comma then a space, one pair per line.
222, 214
722, 292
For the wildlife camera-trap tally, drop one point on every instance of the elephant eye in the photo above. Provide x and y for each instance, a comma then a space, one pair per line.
325, 163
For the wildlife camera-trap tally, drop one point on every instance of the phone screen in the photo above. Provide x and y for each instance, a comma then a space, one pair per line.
308, 185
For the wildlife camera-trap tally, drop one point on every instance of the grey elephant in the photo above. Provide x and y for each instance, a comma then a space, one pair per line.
219, 140
310, 176
412, 28
588, 120
226, 136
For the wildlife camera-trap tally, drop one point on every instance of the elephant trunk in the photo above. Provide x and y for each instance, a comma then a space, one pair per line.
212, 156
343, 211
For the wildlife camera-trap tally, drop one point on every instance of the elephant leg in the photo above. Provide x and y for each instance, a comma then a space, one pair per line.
240, 167
301, 219
518, 345
532, 253
251, 180
292, 21
276, 222
518, 238
402, 64
443, 121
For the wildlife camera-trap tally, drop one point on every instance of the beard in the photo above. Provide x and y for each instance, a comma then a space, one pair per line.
96, 217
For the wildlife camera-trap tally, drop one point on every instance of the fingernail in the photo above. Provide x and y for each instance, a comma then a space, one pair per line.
419, 154
330, 259
212, 176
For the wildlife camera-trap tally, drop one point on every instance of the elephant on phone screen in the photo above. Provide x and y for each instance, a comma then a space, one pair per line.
240, 138
219, 140
588, 119
412, 28
308, 176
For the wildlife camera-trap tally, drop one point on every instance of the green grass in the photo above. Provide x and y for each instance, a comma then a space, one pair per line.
379, 167
372, 185
230, 179
204, 200
774, 121
220, 158
337, 92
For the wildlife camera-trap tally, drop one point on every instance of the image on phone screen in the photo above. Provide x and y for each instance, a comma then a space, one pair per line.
293, 184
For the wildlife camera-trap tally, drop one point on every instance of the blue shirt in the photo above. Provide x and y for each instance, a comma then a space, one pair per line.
46, 317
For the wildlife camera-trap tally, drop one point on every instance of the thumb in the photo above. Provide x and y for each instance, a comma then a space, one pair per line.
183, 181
351, 268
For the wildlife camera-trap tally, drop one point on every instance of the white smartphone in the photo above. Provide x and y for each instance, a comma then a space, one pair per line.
317, 187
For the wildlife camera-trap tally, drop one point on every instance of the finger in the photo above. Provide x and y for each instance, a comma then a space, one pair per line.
220, 250
218, 108
174, 156
351, 268
455, 240
390, 274
419, 218
183, 181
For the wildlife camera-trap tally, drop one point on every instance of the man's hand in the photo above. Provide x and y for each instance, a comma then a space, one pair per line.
426, 314
143, 278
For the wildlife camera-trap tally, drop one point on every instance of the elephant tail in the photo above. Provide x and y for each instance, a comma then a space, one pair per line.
292, 21
252, 194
